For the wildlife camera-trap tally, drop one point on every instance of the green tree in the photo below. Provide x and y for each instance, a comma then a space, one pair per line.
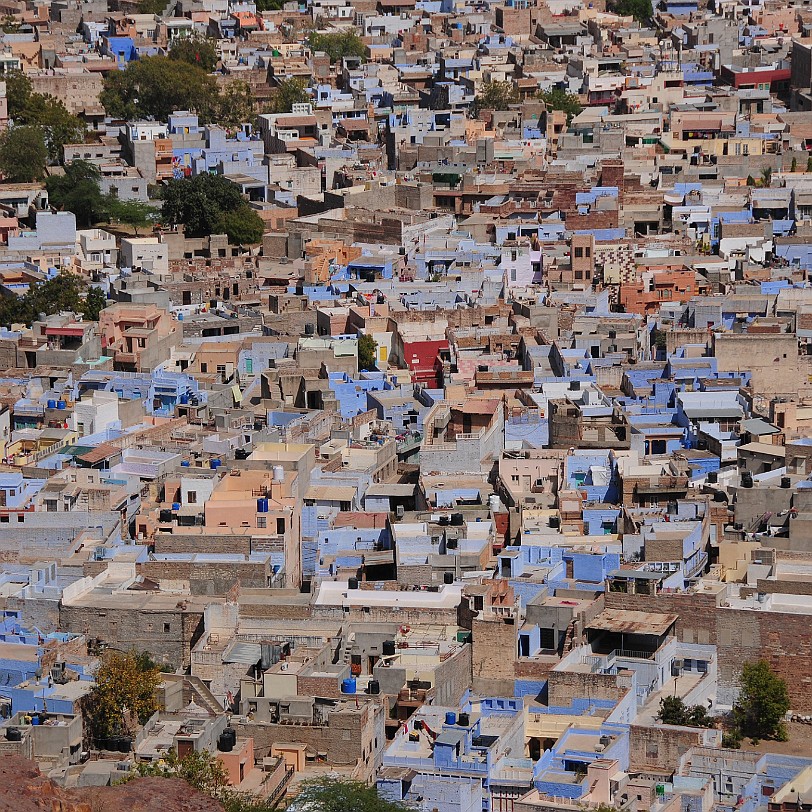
793, 167
94, 303
235, 104
766, 176
78, 191
328, 795
211, 204
156, 86
367, 352
59, 127
152, 6
23, 154
338, 45
809, 164
205, 772
495, 96
243, 226
558, 99
270, 5
286, 94
124, 694
10, 24
18, 92
62, 293
673, 711
196, 50
762, 704
131, 212
641, 10
751, 181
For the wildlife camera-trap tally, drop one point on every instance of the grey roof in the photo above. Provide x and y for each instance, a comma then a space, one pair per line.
710, 412
247, 653
759, 426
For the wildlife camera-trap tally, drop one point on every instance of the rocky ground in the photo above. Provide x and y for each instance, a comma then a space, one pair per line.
24, 789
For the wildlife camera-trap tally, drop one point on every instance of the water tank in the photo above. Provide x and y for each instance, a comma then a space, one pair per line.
184, 399
388, 648
176, 506
374, 687
451, 718
278, 473
451, 544
35, 719
215, 463
52, 404
262, 505
348, 685
720, 496
554, 522
310, 329
352, 583
575, 386
448, 577
464, 720
14, 734
494, 503
165, 516
786, 482
231, 734
60, 404
180, 316
713, 477
747, 479
457, 519
224, 743
185, 464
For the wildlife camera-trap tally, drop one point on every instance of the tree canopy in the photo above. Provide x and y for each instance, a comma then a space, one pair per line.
367, 347
151, 6
211, 204
329, 795
496, 96
762, 704
673, 711
23, 154
58, 126
123, 694
62, 293
558, 99
288, 93
78, 191
196, 50
641, 10
338, 45
156, 86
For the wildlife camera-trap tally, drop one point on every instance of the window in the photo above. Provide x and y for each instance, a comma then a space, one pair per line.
204, 368
166, 627
20, 517
262, 521
221, 369
280, 527
579, 253
191, 497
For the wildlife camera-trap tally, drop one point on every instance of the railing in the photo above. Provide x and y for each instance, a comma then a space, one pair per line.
277, 795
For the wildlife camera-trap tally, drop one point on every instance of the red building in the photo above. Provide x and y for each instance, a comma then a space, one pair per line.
652, 288
424, 361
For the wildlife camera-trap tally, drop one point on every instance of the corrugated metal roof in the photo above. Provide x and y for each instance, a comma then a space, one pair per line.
247, 653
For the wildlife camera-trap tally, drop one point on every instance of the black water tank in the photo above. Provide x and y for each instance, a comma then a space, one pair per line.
702, 445
554, 522
374, 687
388, 648
232, 734
747, 479
463, 720
713, 477
720, 496
14, 734
444, 520
575, 386
165, 516
451, 544
448, 577
786, 482
353, 583
457, 519
224, 743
